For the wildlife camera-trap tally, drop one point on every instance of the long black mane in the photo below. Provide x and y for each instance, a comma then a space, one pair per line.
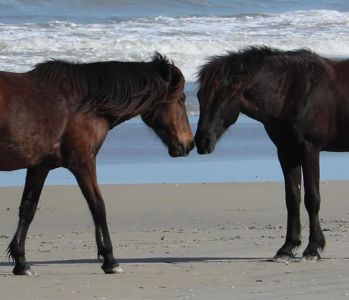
112, 87
248, 60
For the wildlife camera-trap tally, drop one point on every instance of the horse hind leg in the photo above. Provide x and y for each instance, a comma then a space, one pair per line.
291, 166
34, 183
311, 173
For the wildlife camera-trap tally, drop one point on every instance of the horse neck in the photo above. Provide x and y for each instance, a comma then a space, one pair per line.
115, 113
122, 116
253, 110
115, 120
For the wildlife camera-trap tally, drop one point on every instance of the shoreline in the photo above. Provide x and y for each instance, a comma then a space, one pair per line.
133, 154
176, 241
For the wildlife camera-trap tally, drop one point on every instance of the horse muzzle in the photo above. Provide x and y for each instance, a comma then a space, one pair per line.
181, 149
205, 144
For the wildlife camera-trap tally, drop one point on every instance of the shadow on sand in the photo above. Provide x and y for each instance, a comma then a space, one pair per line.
146, 260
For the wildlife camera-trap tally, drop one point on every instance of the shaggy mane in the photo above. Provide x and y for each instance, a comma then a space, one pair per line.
112, 87
248, 60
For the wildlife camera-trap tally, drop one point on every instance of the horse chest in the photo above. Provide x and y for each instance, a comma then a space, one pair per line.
83, 137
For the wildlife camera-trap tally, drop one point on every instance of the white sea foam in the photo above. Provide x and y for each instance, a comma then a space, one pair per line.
186, 40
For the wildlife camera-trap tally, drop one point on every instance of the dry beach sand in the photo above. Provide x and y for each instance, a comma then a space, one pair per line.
188, 241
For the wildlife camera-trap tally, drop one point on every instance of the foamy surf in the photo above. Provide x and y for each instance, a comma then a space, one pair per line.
187, 40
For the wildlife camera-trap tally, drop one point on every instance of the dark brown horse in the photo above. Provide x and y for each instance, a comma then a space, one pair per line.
59, 114
303, 101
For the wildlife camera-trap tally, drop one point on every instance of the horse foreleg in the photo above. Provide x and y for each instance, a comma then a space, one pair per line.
291, 167
86, 177
311, 173
33, 186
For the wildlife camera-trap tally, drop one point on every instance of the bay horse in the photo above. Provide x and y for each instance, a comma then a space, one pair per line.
302, 99
59, 114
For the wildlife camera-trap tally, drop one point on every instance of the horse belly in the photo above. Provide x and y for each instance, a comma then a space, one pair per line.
14, 156
29, 140
339, 138
339, 145
12, 159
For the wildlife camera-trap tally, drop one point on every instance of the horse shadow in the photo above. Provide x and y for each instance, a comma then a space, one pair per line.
143, 260
165, 260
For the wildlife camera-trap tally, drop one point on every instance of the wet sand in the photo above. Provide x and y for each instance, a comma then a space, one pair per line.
187, 241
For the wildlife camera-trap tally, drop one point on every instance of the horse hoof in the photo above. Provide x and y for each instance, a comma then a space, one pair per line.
113, 270
311, 257
283, 258
311, 254
24, 271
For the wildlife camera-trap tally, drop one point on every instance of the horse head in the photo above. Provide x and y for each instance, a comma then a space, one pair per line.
219, 100
168, 116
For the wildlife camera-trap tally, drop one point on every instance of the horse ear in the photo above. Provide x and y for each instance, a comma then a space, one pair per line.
176, 76
165, 72
162, 65
168, 72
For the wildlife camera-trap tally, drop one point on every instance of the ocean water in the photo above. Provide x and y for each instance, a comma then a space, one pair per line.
187, 31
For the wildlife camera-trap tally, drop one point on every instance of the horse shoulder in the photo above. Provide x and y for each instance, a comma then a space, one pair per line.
83, 137
265, 96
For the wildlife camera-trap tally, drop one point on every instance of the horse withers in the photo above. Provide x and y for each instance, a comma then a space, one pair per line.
302, 99
58, 115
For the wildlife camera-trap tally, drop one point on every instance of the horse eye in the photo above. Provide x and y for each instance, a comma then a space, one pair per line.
182, 99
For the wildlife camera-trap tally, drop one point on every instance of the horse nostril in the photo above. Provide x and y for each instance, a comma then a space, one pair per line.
206, 143
188, 148
181, 149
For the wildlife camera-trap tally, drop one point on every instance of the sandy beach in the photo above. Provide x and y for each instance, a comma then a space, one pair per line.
187, 241
197, 227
